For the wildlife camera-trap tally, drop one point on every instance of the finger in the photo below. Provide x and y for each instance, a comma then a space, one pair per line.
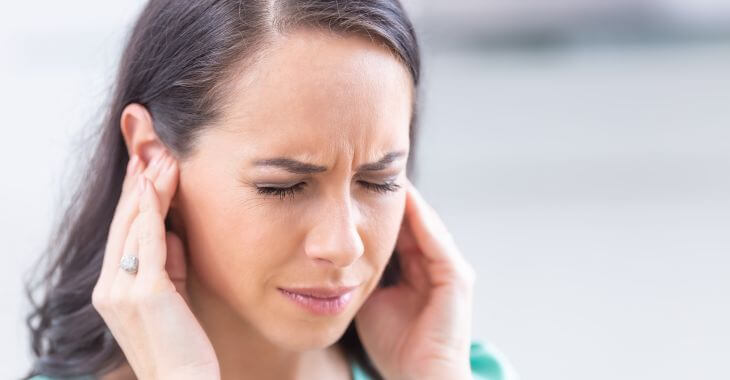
115, 286
446, 264
123, 216
406, 242
175, 264
120, 287
411, 259
166, 183
430, 232
151, 233
132, 167
156, 166
123, 280
126, 211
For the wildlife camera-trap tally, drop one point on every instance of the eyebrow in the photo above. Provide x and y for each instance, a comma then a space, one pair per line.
298, 167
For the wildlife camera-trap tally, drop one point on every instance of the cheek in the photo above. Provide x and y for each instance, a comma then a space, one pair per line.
232, 241
383, 223
240, 243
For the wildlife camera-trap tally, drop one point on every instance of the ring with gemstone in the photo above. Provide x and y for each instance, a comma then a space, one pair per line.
129, 263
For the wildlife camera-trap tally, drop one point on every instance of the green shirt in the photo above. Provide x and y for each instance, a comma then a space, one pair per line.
486, 364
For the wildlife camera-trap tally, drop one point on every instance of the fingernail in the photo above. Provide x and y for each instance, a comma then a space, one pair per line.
141, 184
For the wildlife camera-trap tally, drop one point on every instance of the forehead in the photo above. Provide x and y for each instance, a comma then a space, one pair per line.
313, 86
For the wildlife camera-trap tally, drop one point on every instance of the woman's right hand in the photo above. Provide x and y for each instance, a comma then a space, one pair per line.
148, 312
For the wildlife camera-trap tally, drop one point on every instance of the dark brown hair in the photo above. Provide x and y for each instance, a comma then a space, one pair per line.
175, 63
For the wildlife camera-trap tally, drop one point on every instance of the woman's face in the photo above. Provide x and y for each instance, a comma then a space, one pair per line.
337, 105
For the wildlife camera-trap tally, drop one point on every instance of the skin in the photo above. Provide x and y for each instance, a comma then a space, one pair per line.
219, 314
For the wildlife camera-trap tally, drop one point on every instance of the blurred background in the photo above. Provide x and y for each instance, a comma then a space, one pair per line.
579, 150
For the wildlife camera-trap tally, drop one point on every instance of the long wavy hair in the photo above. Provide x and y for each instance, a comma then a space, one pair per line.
177, 61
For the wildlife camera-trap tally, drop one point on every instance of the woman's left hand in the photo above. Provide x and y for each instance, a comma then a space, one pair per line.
420, 328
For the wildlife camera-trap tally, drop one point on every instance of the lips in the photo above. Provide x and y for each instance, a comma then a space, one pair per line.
321, 292
320, 300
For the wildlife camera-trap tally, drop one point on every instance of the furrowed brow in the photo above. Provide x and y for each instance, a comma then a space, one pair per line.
299, 167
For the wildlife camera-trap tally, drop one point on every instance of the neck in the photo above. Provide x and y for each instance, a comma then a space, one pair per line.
244, 353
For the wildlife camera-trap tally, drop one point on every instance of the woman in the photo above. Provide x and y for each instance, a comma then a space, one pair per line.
248, 215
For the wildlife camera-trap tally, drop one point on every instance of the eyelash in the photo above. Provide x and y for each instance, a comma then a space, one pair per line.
283, 192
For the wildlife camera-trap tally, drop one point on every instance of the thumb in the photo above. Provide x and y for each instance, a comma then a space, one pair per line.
175, 265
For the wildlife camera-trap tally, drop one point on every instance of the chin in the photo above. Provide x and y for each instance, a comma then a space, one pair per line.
311, 337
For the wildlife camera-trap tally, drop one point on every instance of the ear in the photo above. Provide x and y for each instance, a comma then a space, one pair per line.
139, 134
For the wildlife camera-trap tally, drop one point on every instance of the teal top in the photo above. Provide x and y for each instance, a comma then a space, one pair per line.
487, 363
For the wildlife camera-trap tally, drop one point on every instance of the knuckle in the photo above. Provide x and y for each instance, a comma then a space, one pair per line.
146, 234
140, 294
144, 206
148, 203
145, 297
136, 297
118, 300
98, 299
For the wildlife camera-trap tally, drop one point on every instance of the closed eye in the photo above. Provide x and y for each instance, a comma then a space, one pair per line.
381, 188
283, 192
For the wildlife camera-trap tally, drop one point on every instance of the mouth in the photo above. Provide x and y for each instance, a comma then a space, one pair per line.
320, 300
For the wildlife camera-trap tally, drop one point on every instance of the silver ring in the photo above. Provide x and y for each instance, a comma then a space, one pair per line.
129, 263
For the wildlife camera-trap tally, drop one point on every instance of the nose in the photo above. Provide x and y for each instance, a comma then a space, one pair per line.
334, 238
